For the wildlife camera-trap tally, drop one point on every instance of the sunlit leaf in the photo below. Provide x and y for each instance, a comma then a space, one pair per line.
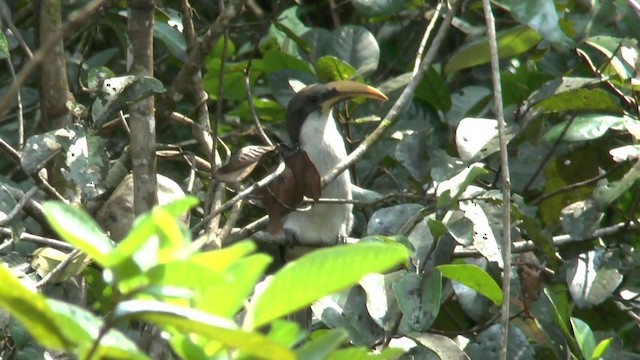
31, 309
475, 278
193, 321
512, 42
320, 273
584, 337
78, 228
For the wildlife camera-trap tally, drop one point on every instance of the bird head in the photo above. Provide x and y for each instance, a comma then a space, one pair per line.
321, 98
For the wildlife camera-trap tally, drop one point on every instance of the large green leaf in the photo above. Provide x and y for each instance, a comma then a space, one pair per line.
77, 227
512, 42
584, 337
321, 346
121, 91
580, 100
542, 16
240, 279
330, 68
172, 39
419, 298
585, 127
354, 45
475, 278
31, 309
320, 273
275, 60
434, 90
212, 327
87, 163
42, 147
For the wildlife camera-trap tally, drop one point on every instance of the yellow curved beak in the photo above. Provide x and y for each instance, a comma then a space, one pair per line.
346, 89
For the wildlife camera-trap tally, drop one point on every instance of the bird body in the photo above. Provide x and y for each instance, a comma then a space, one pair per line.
323, 143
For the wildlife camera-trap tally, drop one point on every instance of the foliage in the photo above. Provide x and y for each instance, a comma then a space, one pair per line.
569, 76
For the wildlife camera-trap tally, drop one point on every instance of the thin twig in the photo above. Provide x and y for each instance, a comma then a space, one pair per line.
24, 236
20, 111
15, 32
252, 108
548, 156
243, 195
16, 210
506, 181
576, 185
58, 269
426, 36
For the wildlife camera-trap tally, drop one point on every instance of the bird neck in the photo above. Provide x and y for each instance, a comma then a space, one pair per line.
320, 138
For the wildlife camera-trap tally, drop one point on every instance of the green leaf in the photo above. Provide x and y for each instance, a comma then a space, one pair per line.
580, 100
4, 46
542, 16
475, 278
561, 310
266, 109
584, 337
275, 60
171, 38
330, 68
221, 259
234, 88
179, 207
606, 193
83, 328
512, 42
87, 164
78, 228
97, 75
285, 332
354, 45
212, 327
584, 127
601, 348
419, 298
42, 147
240, 279
320, 273
322, 345
434, 90
611, 47
32, 311
289, 30
120, 92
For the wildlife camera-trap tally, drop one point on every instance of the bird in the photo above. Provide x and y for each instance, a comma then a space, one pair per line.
311, 126
314, 138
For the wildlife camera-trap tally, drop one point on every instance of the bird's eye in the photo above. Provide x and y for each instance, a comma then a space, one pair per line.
314, 99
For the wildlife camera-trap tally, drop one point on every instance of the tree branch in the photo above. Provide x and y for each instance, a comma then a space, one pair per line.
506, 181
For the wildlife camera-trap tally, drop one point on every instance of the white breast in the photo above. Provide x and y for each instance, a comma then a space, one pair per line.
325, 146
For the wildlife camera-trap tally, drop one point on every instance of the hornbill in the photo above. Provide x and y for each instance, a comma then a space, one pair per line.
312, 128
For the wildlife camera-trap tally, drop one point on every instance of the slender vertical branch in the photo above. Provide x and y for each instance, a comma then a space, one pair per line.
506, 181
141, 117
54, 88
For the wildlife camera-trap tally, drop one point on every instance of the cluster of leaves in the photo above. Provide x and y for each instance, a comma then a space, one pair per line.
569, 79
157, 275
